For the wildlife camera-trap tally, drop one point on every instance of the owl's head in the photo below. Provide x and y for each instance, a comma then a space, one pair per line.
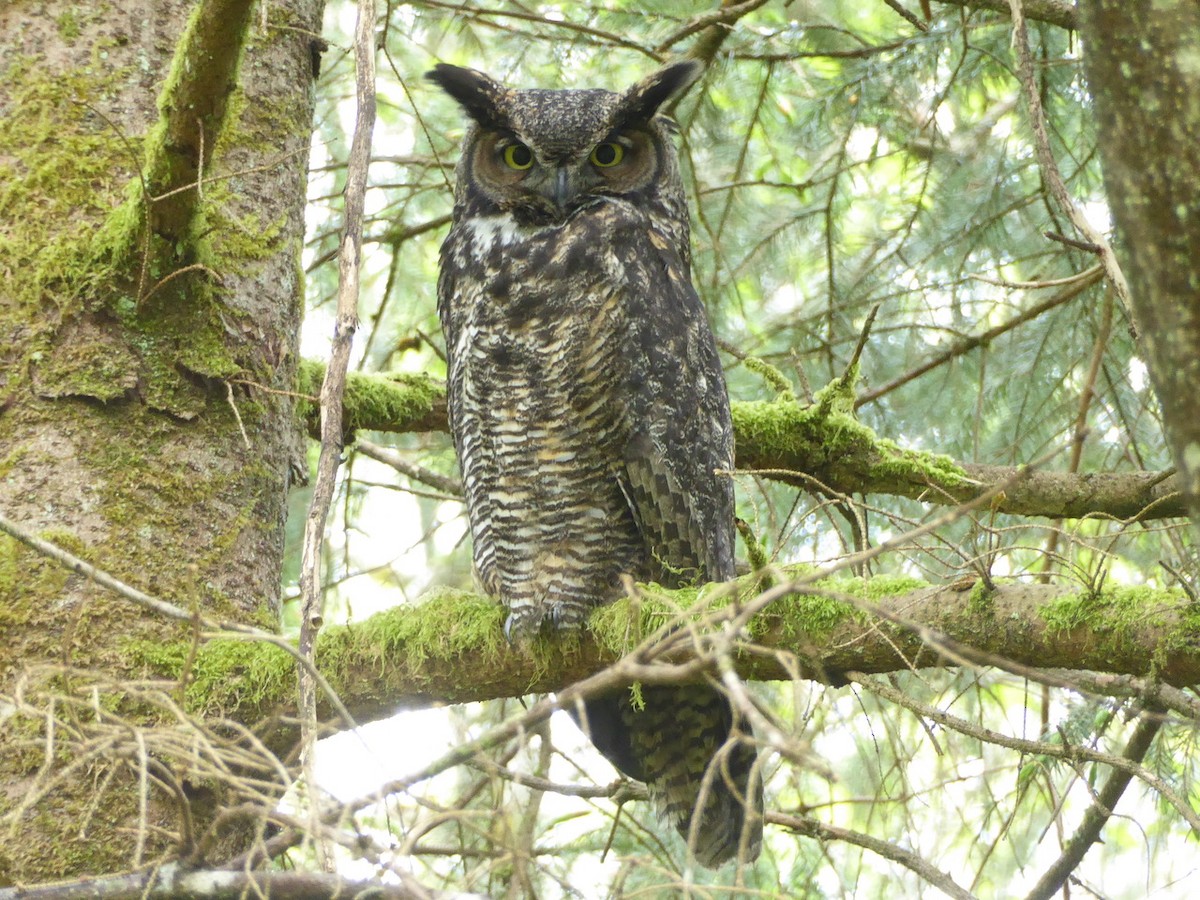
541, 154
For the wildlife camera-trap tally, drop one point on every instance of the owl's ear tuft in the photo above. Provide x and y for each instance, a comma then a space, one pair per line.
478, 95
641, 102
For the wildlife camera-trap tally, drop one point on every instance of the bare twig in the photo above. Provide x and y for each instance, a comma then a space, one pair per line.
1049, 168
1078, 284
721, 18
236, 415
1086, 246
333, 387
389, 457
907, 16
1099, 812
914, 862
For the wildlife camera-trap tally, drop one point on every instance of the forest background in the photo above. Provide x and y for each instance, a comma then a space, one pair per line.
950, 251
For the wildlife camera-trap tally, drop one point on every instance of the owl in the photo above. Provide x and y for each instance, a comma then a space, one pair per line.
589, 410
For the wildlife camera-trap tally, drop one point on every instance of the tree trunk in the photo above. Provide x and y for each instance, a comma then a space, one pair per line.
128, 435
1142, 63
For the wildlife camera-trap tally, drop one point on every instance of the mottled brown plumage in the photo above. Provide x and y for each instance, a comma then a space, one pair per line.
588, 406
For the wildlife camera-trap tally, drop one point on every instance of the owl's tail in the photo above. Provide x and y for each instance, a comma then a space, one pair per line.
679, 743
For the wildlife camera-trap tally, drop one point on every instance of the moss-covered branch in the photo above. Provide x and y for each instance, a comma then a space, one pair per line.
193, 106
817, 446
396, 403
416, 655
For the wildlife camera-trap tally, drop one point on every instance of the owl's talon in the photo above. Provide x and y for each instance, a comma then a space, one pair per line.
520, 627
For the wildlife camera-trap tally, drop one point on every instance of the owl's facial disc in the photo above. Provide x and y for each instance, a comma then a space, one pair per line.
515, 175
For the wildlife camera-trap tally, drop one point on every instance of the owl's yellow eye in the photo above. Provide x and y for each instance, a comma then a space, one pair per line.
607, 154
518, 156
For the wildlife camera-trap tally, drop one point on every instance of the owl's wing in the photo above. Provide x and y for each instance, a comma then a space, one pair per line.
685, 740
678, 461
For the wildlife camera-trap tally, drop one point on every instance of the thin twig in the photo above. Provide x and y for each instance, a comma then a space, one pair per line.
1099, 812
390, 457
907, 16
333, 387
822, 831
722, 18
1048, 166
1076, 287
237, 415
1025, 745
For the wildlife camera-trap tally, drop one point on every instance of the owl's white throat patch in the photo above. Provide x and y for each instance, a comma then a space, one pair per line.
488, 231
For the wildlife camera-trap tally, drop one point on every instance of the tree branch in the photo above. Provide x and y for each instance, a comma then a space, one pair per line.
1098, 813
412, 656
174, 882
826, 833
813, 446
1054, 12
194, 101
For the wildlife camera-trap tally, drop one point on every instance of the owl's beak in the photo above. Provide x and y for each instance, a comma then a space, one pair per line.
562, 187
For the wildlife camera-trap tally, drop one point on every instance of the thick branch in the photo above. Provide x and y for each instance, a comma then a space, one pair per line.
1055, 12
194, 102
813, 447
174, 882
412, 656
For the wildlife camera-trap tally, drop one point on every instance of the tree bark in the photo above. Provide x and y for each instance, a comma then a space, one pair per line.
124, 317
1141, 62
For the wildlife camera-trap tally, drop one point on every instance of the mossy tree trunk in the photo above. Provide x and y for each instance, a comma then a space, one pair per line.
129, 329
1143, 60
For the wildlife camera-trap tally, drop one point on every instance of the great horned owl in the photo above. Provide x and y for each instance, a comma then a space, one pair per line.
589, 409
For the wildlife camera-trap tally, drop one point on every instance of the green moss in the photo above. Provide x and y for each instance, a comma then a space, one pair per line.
371, 399
979, 600
1117, 609
826, 435
223, 675
879, 587
55, 148
143, 482
915, 465
446, 624
68, 25
25, 575
620, 625
812, 616
1120, 616
756, 550
772, 376
837, 397
86, 363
